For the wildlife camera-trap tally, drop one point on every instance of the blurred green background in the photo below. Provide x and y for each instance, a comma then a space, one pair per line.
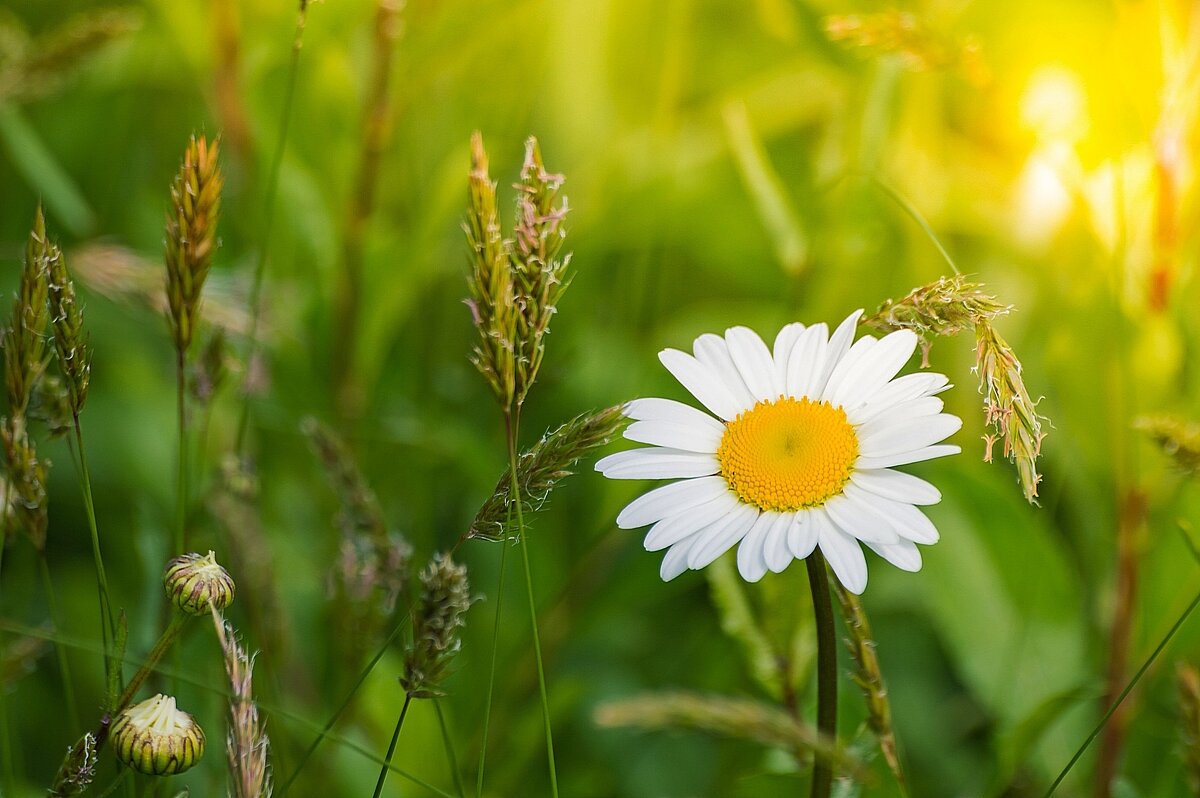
723, 164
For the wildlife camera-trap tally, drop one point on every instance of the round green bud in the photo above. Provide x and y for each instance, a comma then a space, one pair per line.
195, 583
157, 739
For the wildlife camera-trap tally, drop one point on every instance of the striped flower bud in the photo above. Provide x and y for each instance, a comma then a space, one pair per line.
156, 738
194, 583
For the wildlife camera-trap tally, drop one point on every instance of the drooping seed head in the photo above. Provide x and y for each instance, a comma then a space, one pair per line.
197, 582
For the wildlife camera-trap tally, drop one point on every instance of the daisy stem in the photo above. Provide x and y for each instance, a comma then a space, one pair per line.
487, 711
1137, 677
818, 580
387, 761
511, 423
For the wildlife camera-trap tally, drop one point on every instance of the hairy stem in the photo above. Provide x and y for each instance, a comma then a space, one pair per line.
818, 580
387, 761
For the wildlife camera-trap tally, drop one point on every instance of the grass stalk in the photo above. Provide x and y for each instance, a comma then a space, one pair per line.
511, 424
1137, 677
260, 264
818, 580
182, 483
362, 677
107, 626
60, 651
491, 688
6, 754
451, 759
387, 760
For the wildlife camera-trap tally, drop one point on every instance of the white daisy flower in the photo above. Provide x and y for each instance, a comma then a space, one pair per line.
799, 456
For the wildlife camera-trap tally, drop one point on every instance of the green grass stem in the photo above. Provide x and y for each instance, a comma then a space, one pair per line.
387, 761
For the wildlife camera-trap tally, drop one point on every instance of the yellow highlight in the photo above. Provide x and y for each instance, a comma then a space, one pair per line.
788, 454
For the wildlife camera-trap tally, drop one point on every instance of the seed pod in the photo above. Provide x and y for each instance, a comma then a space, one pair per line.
156, 738
194, 583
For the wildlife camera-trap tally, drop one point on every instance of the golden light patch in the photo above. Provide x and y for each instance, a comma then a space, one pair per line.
788, 454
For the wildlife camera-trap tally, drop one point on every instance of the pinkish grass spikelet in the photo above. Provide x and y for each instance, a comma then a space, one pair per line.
247, 747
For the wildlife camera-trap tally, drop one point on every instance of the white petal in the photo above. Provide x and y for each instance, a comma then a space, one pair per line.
674, 528
722, 536
901, 389
702, 382
675, 561
854, 383
857, 352
909, 522
658, 463
802, 534
906, 435
904, 458
839, 345
654, 409
855, 518
669, 500
904, 411
845, 557
904, 555
782, 351
775, 547
712, 351
753, 361
807, 361
897, 486
689, 437
752, 565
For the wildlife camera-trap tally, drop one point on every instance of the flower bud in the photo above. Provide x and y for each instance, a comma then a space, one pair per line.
157, 739
195, 583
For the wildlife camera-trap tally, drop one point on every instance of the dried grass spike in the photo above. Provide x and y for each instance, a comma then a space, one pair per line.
78, 768
1008, 407
247, 746
191, 237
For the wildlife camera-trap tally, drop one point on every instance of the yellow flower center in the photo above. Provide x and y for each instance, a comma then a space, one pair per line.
788, 454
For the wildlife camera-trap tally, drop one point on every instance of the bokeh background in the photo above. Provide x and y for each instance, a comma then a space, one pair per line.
726, 163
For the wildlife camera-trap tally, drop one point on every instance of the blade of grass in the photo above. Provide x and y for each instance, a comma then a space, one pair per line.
451, 759
491, 689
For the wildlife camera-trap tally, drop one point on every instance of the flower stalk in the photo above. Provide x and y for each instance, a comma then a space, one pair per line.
818, 580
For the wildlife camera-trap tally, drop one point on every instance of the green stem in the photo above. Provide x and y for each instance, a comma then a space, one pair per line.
487, 711
260, 265
6, 754
108, 627
1137, 677
59, 649
387, 761
362, 677
511, 422
181, 499
818, 580
451, 759
178, 621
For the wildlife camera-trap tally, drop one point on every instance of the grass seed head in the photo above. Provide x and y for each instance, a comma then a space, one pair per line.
541, 468
24, 339
70, 339
445, 599
1178, 439
191, 237
78, 768
247, 746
